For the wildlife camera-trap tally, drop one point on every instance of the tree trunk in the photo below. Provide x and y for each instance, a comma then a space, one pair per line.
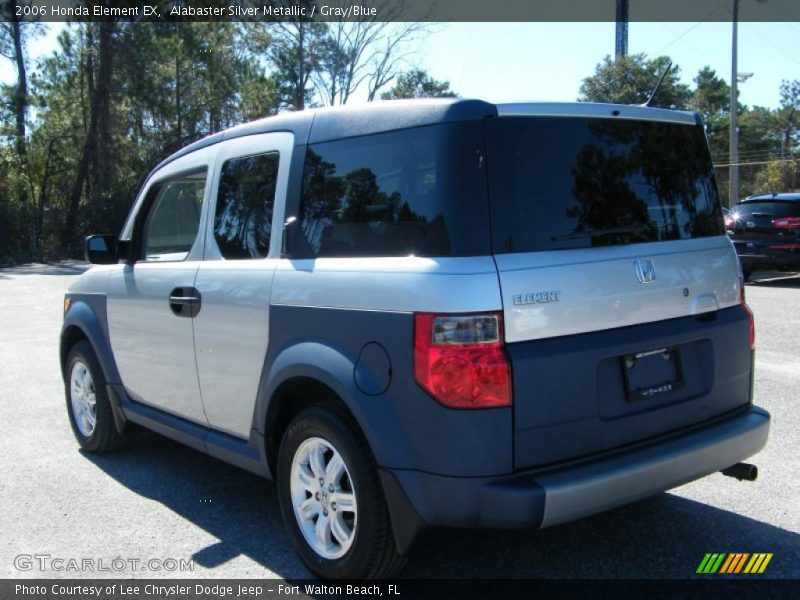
98, 100
21, 93
300, 87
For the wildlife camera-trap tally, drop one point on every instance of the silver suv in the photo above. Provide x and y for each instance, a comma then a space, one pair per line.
426, 313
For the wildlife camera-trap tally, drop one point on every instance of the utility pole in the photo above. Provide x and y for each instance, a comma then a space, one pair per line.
621, 46
733, 177
733, 174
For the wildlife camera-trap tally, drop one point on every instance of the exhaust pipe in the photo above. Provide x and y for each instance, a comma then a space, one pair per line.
742, 471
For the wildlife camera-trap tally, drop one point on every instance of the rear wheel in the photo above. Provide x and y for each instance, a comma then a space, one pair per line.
331, 498
88, 405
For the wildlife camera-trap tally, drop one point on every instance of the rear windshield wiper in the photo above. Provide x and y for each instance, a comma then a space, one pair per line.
636, 228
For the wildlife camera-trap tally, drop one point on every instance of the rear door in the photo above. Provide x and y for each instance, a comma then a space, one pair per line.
614, 271
235, 279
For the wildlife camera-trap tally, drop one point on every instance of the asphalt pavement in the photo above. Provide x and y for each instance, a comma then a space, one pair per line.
155, 506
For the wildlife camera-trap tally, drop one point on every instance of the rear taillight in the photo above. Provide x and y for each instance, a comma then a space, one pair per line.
730, 223
751, 323
460, 360
786, 223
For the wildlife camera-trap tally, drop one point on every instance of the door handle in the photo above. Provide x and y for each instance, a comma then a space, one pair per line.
185, 302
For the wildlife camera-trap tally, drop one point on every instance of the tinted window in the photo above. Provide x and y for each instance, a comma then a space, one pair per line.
560, 183
174, 218
769, 209
243, 217
412, 192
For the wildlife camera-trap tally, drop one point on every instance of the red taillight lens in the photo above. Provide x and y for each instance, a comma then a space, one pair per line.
786, 247
460, 361
786, 223
730, 223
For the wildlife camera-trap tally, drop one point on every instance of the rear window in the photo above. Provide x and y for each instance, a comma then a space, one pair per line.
770, 209
561, 182
419, 192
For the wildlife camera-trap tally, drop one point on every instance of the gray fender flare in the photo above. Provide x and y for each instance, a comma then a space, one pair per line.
83, 315
325, 364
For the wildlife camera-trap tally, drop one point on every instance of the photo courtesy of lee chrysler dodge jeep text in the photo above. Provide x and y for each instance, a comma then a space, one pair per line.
426, 313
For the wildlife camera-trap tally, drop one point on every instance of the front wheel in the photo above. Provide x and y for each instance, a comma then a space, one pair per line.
88, 405
331, 498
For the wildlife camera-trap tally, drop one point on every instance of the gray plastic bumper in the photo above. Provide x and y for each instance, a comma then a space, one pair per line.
585, 490
542, 499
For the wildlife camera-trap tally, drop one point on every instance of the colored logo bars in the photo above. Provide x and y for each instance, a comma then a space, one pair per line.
734, 563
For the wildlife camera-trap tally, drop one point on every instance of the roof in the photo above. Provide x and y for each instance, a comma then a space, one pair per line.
787, 197
323, 124
352, 120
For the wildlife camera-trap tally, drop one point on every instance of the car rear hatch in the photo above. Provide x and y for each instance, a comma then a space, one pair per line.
762, 226
620, 290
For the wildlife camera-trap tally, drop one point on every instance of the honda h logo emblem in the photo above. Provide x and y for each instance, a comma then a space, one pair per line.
645, 270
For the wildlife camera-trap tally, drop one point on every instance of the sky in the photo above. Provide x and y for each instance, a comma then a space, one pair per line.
506, 62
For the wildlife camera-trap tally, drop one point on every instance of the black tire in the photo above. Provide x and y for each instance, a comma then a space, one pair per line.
747, 274
104, 437
372, 553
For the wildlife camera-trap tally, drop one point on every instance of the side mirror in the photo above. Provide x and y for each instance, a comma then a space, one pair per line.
102, 250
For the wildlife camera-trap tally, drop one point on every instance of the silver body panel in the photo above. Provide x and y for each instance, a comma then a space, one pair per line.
232, 328
598, 288
403, 284
153, 348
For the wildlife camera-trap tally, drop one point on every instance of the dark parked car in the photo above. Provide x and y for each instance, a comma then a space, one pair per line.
765, 230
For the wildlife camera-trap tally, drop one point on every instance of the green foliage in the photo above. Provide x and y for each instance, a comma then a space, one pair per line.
631, 79
170, 85
778, 176
418, 84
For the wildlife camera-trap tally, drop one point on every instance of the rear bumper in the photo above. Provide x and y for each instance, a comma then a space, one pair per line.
545, 498
763, 258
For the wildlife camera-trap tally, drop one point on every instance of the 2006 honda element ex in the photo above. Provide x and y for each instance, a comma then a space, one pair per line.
422, 313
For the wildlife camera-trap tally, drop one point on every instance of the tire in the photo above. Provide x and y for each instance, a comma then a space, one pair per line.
88, 405
313, 440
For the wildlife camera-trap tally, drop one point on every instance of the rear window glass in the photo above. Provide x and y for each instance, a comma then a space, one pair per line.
563, 183
419, 192
769, 209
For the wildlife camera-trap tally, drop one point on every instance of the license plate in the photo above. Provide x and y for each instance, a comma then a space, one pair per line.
652, 373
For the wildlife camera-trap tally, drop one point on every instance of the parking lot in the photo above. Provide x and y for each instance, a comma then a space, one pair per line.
158, 501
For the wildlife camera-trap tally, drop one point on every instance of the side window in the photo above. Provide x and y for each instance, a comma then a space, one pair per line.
243, 216
417, 192
173, 220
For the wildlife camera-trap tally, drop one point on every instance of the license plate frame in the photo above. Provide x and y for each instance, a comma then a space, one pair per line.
652, 373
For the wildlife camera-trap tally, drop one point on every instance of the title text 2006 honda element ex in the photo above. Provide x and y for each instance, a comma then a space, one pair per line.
422, 313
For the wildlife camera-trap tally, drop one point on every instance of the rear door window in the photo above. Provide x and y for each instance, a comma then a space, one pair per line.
563, 182
243, 215
418, 192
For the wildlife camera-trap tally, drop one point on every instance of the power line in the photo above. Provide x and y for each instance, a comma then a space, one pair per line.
763, 162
